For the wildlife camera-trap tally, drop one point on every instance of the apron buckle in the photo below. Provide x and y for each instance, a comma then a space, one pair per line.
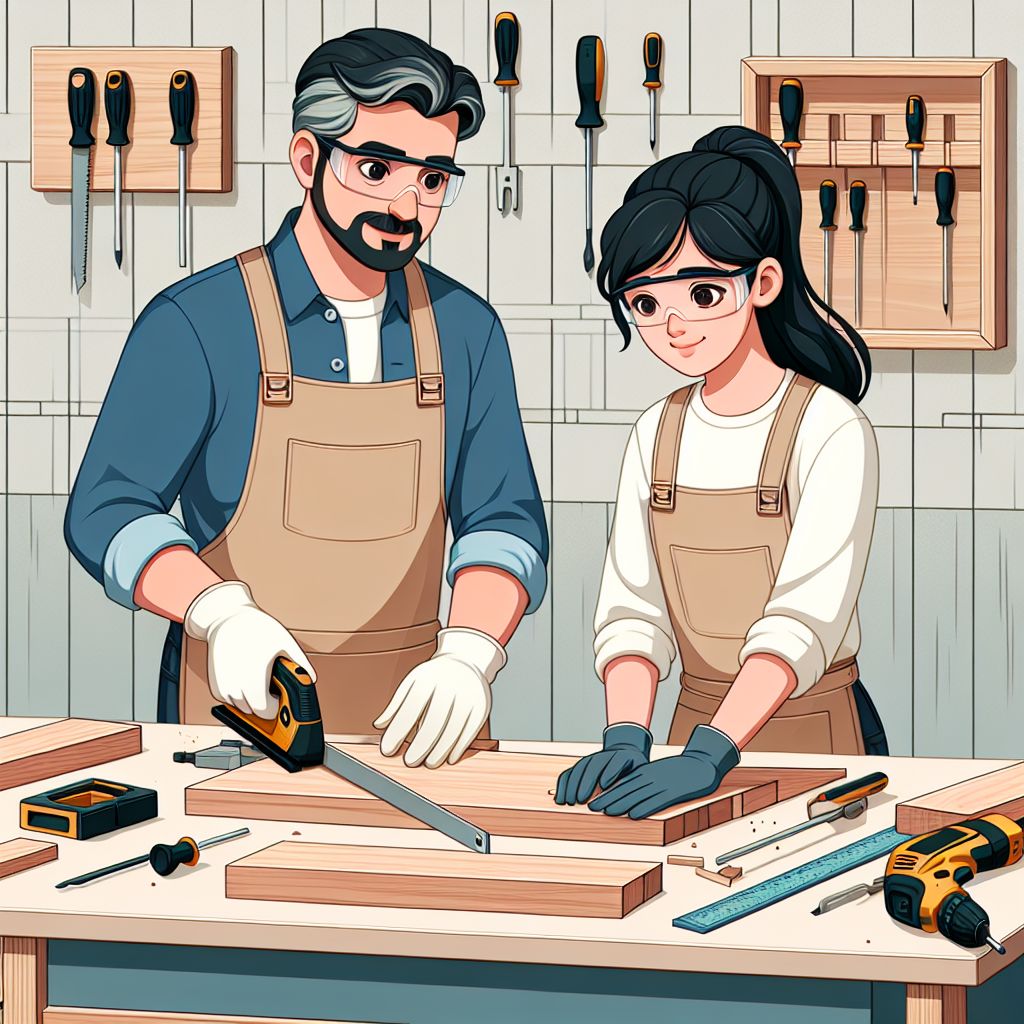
431, 389
663, 496
769, 501
277, 388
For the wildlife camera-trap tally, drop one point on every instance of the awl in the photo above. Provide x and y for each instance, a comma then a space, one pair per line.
117, 102
827, 203
590, 86
945, 190
506, 48
182, 99
652, 79
858, 199
81, 105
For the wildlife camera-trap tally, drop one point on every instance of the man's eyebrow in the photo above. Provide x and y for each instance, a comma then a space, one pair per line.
383, 147
443, 161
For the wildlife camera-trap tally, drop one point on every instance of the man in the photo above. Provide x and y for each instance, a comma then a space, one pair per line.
322, 406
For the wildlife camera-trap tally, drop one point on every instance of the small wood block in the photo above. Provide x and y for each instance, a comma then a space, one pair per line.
814, 152
967, 127
895, 154
854, 153
998, 792
64, 746
686, 862
934, 127
21, 854
812, 126
385, 876
726, 876
964, 154
857, 127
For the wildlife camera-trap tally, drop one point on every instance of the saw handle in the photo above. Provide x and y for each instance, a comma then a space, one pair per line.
81, 106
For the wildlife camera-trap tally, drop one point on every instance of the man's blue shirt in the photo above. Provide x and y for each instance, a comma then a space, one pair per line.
180, 412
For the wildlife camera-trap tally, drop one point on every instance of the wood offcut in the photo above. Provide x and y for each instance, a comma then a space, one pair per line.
17, 855
998, 792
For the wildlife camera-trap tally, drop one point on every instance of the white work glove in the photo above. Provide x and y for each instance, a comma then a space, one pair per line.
243, 643
449, 696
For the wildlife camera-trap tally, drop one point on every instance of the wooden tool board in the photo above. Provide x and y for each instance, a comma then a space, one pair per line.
505, 793
1000, 792
384, 876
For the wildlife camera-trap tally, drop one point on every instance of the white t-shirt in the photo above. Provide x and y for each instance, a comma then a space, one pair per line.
811, 616
361, 319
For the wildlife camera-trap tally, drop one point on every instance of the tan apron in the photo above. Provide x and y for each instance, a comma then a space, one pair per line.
718, 553
340, 528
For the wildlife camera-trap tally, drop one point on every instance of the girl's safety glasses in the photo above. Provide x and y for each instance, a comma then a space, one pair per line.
694, 293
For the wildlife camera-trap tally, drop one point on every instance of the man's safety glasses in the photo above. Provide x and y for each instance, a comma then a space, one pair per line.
374, 172
695, 293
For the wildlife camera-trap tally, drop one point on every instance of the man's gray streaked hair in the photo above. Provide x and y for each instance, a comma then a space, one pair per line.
375, 66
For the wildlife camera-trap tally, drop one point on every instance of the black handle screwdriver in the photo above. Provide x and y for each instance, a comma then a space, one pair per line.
182, 98
506, 48
117, 99
652, 80
858, 199
589, 85
915, 135
945, 191
791, 109
827, 202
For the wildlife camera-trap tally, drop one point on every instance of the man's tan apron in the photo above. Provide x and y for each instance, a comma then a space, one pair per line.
340, 528
718, 553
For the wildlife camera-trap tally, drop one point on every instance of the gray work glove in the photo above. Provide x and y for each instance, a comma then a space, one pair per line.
626, 746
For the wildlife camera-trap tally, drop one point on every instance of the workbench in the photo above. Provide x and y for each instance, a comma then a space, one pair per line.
137, 947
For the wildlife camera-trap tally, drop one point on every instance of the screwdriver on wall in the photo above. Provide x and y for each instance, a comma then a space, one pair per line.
652, 81
915, 134
858, 197
506, 47
117, 100
945, 190
791, 109
589, 85
183, 108
827, 202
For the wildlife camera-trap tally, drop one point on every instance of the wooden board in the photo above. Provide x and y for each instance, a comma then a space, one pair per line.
64, 746
85, 1015
505, 793
999, 792
149, 162
21, 854
387, 876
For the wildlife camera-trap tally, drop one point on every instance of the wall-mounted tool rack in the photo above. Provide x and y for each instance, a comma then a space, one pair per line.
854, 127
150, 162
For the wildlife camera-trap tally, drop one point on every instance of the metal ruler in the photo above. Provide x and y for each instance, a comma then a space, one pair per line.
774, 890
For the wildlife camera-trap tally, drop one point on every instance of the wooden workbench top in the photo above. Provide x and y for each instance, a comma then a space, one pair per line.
857, 941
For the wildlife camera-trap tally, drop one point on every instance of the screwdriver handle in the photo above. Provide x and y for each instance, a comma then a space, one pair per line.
117, 99
81, 104
791, 109
652, 60
827, 202
858, 197
945, 190
915, 122
590, 80
183, 107
506, 47
164, 858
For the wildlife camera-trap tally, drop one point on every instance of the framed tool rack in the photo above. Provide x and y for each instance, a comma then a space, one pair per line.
854, 128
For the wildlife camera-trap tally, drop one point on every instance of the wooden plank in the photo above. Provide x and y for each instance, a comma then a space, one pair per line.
24, 980
936, 1004
21, 854
85, 1015
386, 876
999, 792
64, 746
505, 793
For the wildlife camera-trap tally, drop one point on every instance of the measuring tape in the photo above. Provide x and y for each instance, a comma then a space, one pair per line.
774, 890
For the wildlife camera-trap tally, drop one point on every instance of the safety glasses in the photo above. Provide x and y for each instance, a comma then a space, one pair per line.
694, 293
374, 172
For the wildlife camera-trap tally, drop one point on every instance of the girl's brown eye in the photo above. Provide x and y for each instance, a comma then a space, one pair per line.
706, 295
645, 305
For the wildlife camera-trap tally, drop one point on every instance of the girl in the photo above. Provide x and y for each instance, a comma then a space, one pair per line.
746, 501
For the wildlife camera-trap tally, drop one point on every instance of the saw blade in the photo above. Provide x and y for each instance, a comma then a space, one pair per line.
79, 214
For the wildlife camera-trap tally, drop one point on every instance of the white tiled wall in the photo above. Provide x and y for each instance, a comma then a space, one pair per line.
939, 600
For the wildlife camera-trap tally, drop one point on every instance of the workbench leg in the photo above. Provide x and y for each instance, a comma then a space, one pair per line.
24, 980
936, 1004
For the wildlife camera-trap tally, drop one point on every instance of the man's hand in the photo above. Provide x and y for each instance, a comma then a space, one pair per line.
627, 746
449, 696
694, 773
243, 643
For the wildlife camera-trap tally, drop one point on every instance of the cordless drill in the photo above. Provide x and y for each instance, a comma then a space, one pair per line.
924, 877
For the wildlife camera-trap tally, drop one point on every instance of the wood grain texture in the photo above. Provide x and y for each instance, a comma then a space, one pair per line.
685, 862
384, 876
83, 1015
999, 792
505, 793
149, 162
24, 980
64, 746
936, 1004
18, 855
726, 876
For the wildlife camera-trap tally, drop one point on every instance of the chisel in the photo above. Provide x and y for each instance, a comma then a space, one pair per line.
945, 190
827, 202
183, 107
915, 134
791, 109
118, 103
81, 105
589, 85
506, 47
652, 81
858, 197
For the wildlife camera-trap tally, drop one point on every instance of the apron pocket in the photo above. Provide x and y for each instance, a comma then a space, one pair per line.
351, 493
722, 593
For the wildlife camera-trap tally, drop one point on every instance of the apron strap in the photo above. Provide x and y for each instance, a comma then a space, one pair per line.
271, 334
778, 450
425, 343
666, 450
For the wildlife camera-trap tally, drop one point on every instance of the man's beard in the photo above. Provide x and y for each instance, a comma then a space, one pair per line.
388, 258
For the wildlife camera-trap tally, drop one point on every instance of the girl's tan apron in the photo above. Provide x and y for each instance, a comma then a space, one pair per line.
340, 528
718, 553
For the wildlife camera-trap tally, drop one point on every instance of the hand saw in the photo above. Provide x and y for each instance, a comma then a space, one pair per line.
294, 738
81, 104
